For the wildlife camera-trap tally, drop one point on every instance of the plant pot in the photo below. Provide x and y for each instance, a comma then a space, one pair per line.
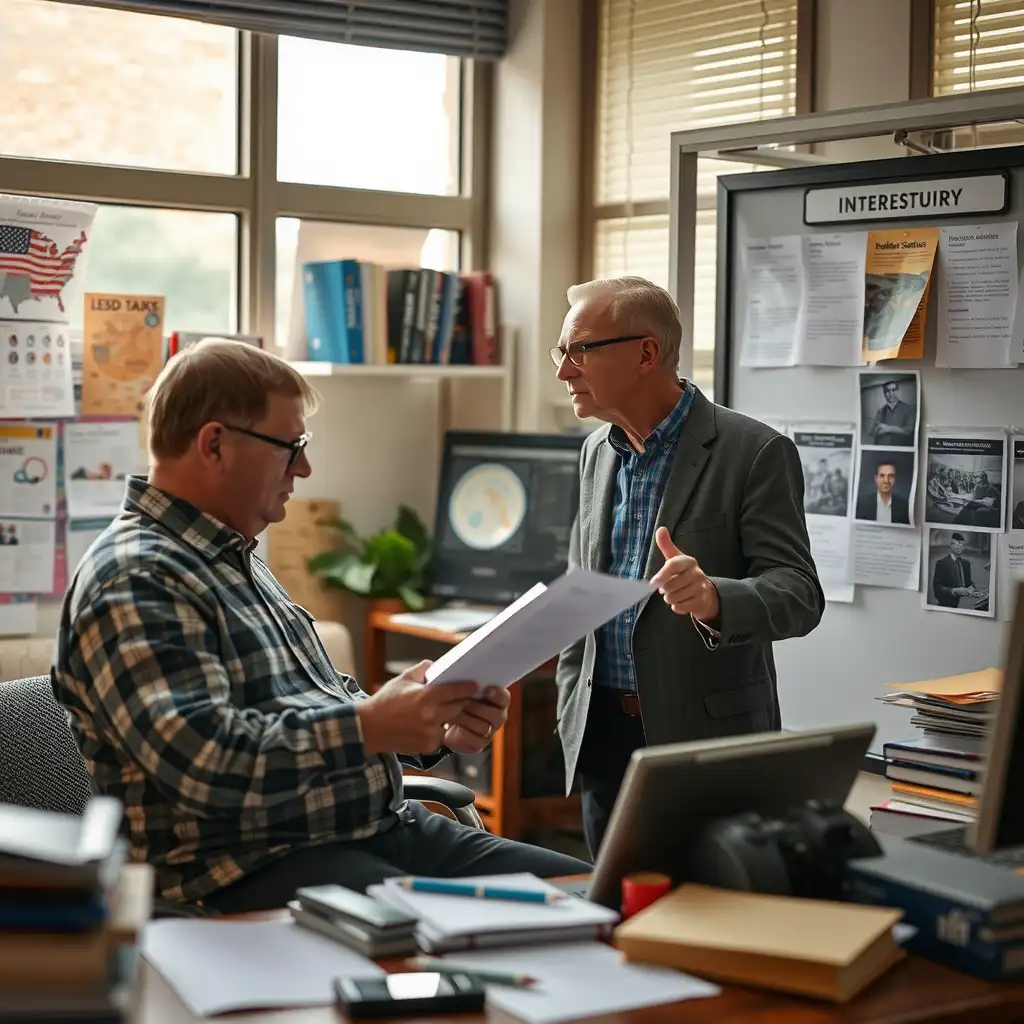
388, 605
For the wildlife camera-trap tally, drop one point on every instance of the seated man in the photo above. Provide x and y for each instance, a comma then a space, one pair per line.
201, 697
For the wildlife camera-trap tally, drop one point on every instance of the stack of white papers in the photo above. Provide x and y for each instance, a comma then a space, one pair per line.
462, 922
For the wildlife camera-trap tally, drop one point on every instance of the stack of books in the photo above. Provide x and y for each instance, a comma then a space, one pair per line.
364, 313
70, 912
936, 777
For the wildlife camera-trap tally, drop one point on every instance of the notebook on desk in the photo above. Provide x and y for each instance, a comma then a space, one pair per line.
450, 923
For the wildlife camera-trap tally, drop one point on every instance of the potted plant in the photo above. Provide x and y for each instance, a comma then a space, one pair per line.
388, 566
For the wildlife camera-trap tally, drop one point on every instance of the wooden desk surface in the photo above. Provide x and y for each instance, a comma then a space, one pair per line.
915, 990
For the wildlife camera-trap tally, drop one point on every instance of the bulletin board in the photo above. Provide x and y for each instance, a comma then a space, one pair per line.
834, 675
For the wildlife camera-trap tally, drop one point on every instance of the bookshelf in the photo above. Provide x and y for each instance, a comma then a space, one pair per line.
504, 810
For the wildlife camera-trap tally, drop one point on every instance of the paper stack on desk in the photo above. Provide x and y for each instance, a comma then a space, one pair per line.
448, 923
936, 777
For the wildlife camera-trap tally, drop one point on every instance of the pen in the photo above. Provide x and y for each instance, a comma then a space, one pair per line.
486, 975
485, 892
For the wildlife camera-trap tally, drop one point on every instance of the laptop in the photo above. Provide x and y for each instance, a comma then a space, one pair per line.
997, 834
670, 791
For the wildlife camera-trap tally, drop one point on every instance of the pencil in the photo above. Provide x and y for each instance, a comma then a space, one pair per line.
445, 887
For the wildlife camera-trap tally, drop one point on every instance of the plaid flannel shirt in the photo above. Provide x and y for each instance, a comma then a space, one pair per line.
639, 487
202, 698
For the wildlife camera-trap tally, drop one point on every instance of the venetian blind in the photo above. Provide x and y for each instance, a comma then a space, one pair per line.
670, 65
462, 28
979, 44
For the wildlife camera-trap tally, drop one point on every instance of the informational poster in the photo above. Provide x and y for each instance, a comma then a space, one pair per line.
886, 558
1011, 572
98, 459
35, 370
977, 296
966, 476
43, 249
81, 533
960, 571
27, 556
28, 470
123, 352
773, 270
1017, 482
897, 276
826, 455
886, 479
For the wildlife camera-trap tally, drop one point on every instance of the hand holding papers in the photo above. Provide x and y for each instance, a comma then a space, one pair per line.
536, 627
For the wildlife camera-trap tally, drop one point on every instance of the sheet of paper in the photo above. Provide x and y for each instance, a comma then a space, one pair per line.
838, 593
966, 478
80, 535
536, 627
977, 300
960, 571
833, 299
1010, 574
28, 469
580, 980
19, 618
897, 277
773, 322
225, 966
886, 558
35, 370
123, 352
43, 249
1017, 482
98, 457
27, 556
986, 680
890, 419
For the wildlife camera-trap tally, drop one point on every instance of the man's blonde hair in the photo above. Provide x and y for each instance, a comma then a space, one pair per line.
637, 306
217, 381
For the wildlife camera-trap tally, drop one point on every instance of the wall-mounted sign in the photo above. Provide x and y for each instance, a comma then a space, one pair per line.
905, 199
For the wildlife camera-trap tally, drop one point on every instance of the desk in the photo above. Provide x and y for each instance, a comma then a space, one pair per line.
914, 991
504, 810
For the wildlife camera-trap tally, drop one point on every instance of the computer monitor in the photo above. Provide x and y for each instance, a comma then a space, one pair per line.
1000, 820
505, 508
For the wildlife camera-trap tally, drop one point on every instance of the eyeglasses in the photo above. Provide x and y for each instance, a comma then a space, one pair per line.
577, 349
295, 447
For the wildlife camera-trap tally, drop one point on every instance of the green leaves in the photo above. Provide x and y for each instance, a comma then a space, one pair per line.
390, 563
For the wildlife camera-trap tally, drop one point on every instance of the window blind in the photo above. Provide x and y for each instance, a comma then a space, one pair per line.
462, 28
978, 44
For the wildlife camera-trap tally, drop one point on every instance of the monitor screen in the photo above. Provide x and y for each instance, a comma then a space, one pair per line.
505, 509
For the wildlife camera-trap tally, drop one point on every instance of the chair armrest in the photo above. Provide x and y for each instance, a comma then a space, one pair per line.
442, 791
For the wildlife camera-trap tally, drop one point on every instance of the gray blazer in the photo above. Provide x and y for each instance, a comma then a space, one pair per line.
734, 500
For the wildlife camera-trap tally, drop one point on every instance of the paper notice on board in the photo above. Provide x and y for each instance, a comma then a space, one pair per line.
1017, 482
28, 551
966, 477
960, 572
1011, 572
897, 275
774, 273
887, 558
98, 458
28, 470
833, 300
977, 296
35, 371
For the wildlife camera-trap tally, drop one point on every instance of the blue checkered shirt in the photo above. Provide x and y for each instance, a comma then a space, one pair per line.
639, 488
202, 698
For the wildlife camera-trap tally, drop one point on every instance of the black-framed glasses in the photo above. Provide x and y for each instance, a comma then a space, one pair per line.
295, 448
576, 350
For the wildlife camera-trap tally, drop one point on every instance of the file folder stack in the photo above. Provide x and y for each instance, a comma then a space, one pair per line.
357, 921
70, 909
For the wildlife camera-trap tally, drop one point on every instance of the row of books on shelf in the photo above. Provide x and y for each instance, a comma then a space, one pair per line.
358, 312
936, 777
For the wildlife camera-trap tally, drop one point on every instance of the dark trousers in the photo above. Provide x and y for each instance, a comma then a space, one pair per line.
608, 743
423, 844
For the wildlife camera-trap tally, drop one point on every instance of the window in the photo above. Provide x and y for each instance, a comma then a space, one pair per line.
91, 85
668, 67
188, 257
978, 45
362, 117
305, 241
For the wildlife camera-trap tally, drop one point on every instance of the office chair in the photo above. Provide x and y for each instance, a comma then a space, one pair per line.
41, 766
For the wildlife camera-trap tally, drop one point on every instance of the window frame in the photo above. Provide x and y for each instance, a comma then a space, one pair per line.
257, 198
590, 210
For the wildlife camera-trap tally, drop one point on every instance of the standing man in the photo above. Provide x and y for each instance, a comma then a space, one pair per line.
705, 502
951, 579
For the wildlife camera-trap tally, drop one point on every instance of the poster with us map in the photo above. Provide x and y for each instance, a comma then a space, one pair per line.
43, 248
122, 352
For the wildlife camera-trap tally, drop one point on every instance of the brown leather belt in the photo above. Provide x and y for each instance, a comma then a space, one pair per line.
630, 703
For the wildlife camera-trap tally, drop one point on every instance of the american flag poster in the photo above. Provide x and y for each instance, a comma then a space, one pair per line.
43, 248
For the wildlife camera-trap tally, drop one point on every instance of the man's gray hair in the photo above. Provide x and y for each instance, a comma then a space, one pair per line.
637, 306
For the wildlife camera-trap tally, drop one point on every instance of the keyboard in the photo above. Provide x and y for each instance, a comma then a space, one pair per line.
954, 840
